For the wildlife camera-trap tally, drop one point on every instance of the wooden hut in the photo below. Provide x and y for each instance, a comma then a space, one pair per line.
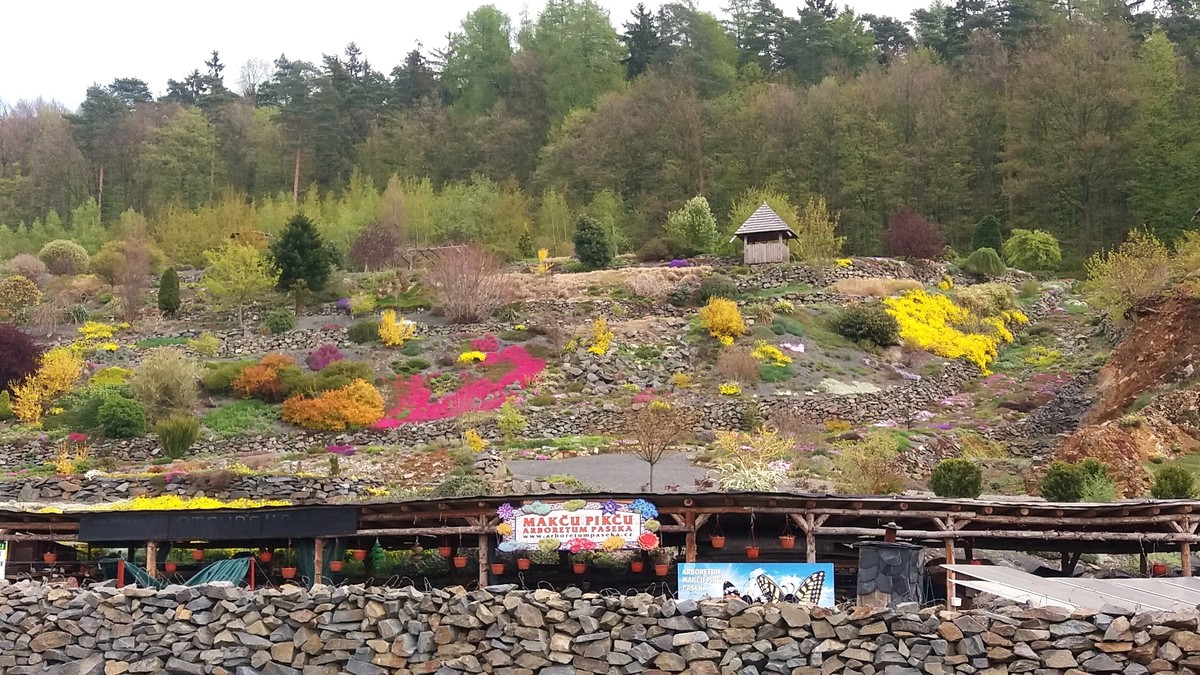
765, 237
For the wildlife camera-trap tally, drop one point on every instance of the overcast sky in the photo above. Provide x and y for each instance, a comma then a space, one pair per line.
55, 50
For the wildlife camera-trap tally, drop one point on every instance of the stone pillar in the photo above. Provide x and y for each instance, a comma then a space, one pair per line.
889, 573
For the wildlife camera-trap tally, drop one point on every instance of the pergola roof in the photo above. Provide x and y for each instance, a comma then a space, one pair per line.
764, 220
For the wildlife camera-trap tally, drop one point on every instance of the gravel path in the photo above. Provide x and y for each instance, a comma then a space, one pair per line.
616, 472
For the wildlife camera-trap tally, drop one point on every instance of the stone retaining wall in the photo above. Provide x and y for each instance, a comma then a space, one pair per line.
378, 631
299, 490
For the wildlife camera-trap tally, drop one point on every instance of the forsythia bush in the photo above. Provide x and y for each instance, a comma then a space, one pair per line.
934, 323
601, 337
357, 404
60, 369
723, 320
17, 293
395, 332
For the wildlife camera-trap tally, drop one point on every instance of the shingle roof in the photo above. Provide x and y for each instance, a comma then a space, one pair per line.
764, 219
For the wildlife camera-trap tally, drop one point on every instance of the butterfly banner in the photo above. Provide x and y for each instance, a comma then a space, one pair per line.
804, 583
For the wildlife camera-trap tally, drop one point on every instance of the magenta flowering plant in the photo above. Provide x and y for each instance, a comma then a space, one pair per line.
644, 396
343, 450
487, 343
77, 437
323, 356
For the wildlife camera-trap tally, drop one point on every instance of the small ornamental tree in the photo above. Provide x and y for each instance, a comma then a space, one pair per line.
375, 248
591, 243
300, 253
1032, 250
168, 291
984, 262
656, 427
987, 234
693, 226
956, 478
908, 235
19, 356
238, 275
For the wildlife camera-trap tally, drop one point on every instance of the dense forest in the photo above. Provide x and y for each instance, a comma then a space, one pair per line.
1078, 117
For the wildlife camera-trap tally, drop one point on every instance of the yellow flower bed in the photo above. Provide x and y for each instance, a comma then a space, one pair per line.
94, 330
176, 503
472, 357
723, 320
844, 262
730, 389
769, 353
934, 323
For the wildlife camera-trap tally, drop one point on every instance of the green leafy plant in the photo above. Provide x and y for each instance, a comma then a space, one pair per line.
279, 321
167, 381
984, 262
1173, 482
591, 243
300, 253
177, 435
206, 344
121, 417
869, 466
168, 291
363, 332
715, 286
1032, 250
249, 416
867, 323
694, 226
510, 421
462, 486
987, 234
956, 478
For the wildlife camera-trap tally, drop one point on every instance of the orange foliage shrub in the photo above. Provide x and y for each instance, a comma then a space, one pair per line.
277, 361
357, 404
263, 381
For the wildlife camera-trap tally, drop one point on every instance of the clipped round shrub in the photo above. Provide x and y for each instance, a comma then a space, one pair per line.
6, 412
168, 291
984, 262
1032, 250
867, 323
956, 478
121, 417
363, 332
716, 286
64, 257
279, 321
28, 266
1173, 482
19, 355
1063, 482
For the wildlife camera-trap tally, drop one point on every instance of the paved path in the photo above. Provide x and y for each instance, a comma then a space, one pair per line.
618, 472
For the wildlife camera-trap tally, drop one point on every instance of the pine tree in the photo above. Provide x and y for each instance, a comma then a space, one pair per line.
168, 291
987, 234
299, 253
642, 41
591, 243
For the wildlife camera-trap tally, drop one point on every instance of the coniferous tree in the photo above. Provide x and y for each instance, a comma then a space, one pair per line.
987, 234
641, 40
168, 291
591, 243
300, 253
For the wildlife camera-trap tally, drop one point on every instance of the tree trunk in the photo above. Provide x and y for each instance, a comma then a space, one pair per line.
296, 179
651, 476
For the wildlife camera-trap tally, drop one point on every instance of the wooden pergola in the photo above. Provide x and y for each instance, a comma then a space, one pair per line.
822, 521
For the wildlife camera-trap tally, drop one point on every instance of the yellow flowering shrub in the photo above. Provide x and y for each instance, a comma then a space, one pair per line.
60, 369
543, 262
681, 380
474, 440
93, 331
472, 357
933, 322
844, 262
723, 320
601, 337
357, 404
769, 353
730, 389
394, 332
946, 283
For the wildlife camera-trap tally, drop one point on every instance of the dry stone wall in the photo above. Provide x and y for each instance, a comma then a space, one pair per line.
83, 490
377, 631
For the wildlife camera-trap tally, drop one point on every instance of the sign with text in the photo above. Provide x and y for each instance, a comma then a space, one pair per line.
805, 583
578, 525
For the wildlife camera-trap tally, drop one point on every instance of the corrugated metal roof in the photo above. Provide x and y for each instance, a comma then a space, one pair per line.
764, 219
1164, 594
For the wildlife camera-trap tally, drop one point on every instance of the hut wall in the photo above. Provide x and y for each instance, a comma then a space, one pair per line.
767, 252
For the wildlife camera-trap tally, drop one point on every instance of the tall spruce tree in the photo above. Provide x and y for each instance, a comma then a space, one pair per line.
987, 234
641, 40
300, 253
168, 291
591, 243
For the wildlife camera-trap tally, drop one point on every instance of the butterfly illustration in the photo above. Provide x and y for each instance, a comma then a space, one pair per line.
769, 590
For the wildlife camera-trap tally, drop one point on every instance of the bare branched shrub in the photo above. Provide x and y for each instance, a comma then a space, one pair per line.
469, 283
51, 312
132, 275
166, 382
874, 287
738, 365
30, 267
657, 426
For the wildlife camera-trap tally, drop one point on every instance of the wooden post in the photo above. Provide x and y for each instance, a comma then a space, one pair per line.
1143, 564
1185, 549
950, 593
483, 559
318, 560
152, 559
689, 554
251, 572
120, 572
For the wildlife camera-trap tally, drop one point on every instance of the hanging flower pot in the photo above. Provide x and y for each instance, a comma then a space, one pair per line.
718, 540
523, 563
445, 551
197, 554
335, 565
360, 554
752, 552
661, 569
418, 551
170, 567
498, 568
50, 558
579, 567
1158, 570
264, 556
460, 561
787, 541
287, 572
637, 566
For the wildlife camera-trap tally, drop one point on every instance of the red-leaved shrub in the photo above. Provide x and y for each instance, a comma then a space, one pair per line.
375, 248
323, 356
18, 355
910, 236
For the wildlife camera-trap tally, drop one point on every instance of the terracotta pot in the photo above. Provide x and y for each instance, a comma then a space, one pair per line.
335, 565
50, 558
170, 567
1158, 570
265, 556
523, 563
752, 552
445, 551
287, 572
497, 568
976, 562
197, 554
637, 566
579, 568
718, 540
460, 561
661, 570
360, 554
787, 541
